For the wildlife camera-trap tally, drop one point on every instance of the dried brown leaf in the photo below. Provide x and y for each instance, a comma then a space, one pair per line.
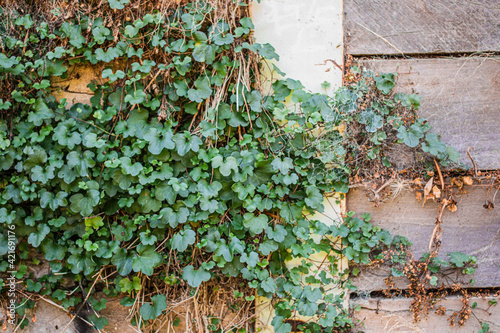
468, 180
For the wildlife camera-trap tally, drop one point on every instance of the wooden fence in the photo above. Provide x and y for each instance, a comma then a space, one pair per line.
448, 52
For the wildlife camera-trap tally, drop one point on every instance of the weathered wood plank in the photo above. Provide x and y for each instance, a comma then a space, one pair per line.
472, 229
460, 97
379, 27
393, 315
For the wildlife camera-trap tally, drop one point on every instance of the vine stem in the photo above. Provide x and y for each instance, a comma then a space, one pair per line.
438, 223
85, 301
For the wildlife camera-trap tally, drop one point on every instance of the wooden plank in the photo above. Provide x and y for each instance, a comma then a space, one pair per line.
472, 229
460, 97
379, 27
393, 315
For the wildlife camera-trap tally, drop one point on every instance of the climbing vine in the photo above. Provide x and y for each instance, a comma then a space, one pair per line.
181, 171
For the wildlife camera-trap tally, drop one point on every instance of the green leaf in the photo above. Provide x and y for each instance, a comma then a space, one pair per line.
42, 112
412, 137
84, 204
314, 198
283, 165
202, 91
184, 143
111, 54
99, 322
108, 73
53, 251
459, 258
195, 277
278, 234
255, 224
24, 21
226, 166
127, 285
74, 33
372, 120
434, 145
385, 82
152, 311
204, 52
183, 239
123, 261
39, 174
159, 140
81, 162
36, 237
280, 326
251, 259
137, 97
147, 259
53, 201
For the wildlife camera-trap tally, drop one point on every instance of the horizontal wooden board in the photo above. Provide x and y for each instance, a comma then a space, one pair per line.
460, 97
472, 229
379, 27
393, 315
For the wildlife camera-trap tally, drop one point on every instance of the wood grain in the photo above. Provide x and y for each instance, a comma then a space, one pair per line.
472, 229
460, 97
393, 315
378, 27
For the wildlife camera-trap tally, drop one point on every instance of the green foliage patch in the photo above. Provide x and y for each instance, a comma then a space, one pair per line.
180, 168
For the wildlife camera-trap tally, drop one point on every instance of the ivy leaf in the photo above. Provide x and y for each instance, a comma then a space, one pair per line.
90, 141
128, 168
226, 166
307, 308
251, 259
283, 165
278, 234
268, 285
152, 311
174, 218
53, 201
459, 258
81, 162
183, 66
108, 73
280, 326
202, 92
372, 120
144, 68
195, 277
255, 224
411, 137
111, 54
123, 261
146, 260
38, 174
204, 52
158, 140
184, 143
42, 112
314, 198
84, 204
183, 239
36, 238
99, 322
24, 21
53, 251
223, 39
137, 97
385, 82
74, 33
434, 144
65, 137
